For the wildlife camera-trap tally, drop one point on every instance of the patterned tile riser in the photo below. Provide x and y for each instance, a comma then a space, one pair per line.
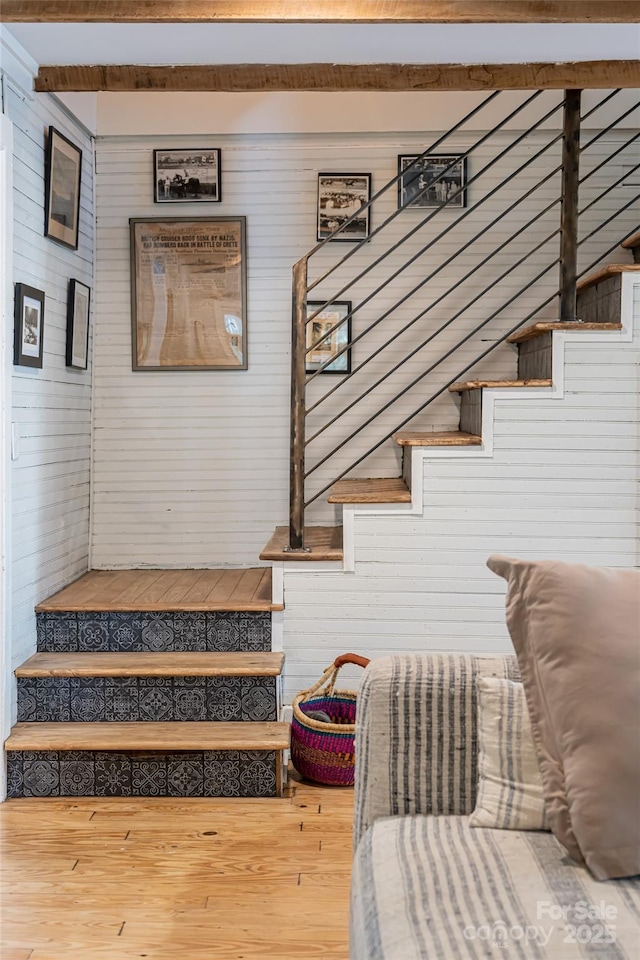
228, 773
134, 632
99, 699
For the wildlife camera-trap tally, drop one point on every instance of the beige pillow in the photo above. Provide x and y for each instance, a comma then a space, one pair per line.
509, 783
576, 631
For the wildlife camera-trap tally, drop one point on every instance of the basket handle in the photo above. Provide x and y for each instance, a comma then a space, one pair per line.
340, 662
330, 675
351, 658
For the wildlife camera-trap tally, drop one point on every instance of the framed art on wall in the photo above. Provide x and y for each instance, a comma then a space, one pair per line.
78, 304
62, 189
187, 176
418, 187
189, 293
340, 196
325, 342
28, 340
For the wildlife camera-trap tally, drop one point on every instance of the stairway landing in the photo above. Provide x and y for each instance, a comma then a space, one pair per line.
156, 591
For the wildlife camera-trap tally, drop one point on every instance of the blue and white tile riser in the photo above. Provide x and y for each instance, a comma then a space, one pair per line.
154, 632
83, 773
118, 699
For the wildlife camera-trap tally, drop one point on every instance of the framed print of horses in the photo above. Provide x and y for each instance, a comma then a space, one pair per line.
187, 176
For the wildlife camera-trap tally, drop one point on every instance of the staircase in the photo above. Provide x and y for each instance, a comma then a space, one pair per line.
167, 683
152, 684
549, 471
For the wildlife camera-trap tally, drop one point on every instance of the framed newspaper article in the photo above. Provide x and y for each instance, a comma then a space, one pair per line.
189, 293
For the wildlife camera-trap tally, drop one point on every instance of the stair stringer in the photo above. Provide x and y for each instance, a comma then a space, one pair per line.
300, 579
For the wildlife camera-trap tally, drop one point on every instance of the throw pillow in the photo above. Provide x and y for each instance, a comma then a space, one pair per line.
576, 631
509, 785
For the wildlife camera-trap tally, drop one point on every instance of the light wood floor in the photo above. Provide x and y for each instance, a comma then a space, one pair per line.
164, 879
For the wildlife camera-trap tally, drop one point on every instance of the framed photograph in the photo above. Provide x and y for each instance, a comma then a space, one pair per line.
414, 189
78, 304
189, 293
187, 176
327, 344
340, 195
62, 189
28, 340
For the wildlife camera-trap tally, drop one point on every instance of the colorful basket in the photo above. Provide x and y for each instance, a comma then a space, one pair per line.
322, 751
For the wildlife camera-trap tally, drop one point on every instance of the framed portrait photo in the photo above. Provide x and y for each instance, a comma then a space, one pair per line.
78, 305
189, 293
187, 176
28, 341
62, 189
340, 196
418, 187
325, 342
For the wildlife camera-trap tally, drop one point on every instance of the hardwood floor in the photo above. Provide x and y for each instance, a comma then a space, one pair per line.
159, 879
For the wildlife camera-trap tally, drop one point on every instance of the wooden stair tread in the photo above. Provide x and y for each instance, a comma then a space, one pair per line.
168, 735
481, 384
632, 241
605, 273
152, 665
454, 438
537, 329
374, 490
324, 543
156, 591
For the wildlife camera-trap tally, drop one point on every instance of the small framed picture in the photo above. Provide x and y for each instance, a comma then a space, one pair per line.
340, 196
78, 304
28, 340
187, 176
62, 189
325, 343
417, 189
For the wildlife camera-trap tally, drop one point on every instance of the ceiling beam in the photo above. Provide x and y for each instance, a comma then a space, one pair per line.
320, 11
250, 77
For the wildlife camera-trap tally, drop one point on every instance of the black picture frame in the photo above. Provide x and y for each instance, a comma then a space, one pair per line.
338, 311
187, 175
63, 181
338, 196
413, 187
78, 317
28, 336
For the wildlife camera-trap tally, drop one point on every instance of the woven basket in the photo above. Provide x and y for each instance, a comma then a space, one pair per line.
321, 751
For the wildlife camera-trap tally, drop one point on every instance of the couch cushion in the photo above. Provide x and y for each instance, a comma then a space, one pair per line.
509, 783
435, 888
417, 735
576, 630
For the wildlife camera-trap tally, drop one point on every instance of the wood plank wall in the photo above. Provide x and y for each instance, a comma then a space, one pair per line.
563, 484
51, 406
192, 468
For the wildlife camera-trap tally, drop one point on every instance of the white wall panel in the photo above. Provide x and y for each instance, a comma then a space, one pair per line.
192, 468
52, 406
563, 483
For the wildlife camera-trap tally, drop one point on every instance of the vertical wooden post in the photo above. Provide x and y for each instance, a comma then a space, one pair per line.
298, 402
569, 215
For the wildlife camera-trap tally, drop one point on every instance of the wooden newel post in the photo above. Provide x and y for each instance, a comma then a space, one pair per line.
569, 215
298, 384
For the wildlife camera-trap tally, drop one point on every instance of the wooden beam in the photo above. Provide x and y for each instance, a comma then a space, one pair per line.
320, 11
248, 77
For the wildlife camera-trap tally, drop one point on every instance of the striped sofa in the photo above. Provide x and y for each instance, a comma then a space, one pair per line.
426, 885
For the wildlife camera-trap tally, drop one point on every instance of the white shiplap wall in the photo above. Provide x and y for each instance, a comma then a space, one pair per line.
562, 483
52, 406
191, 469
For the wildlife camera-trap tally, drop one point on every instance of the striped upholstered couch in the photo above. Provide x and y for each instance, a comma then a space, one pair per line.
426, 885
